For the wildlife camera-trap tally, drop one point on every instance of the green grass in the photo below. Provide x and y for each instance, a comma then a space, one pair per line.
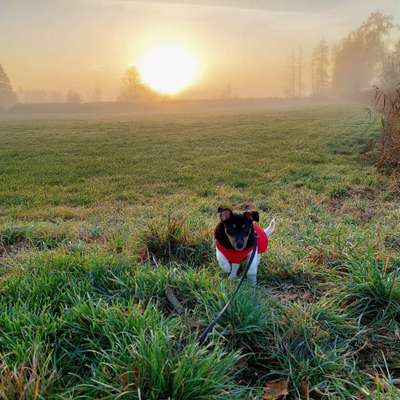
99, 217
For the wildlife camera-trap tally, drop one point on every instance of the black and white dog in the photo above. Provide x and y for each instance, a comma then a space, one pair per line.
235, 237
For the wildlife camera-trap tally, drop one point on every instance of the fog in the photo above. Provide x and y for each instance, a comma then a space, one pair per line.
58, 50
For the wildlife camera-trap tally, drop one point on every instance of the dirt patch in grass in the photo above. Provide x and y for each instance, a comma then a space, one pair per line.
392, 242
394, 184
12, 250
289, 292
374, 345
324, 257
14, 239
363, 214
338, 197
356, 201
362, 191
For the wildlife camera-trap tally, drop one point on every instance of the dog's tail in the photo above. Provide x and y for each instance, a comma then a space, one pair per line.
271, 227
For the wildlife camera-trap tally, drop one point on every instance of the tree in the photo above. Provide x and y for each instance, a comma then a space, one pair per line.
295, 74
133, 89
97, 94
320, 69
291, 76
356, 59
300, 72
73, 97
7, 95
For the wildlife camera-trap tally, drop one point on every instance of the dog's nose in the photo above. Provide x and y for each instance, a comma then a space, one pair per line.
239, 245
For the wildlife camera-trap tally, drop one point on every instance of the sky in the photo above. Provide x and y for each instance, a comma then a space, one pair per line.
243, 45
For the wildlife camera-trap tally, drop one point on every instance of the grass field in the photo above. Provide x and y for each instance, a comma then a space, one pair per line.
98, 217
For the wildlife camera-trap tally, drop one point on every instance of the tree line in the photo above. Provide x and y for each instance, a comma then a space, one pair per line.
354, 64
132, 90
346, 68
7, 94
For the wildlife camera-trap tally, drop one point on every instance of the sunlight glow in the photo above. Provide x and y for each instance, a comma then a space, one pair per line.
168, 69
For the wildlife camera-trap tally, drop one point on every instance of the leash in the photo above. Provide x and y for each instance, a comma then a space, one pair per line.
203, 337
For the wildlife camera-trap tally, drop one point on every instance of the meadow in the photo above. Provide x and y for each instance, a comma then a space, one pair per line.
101, 218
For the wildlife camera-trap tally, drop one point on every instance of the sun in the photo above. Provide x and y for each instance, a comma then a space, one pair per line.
168, 69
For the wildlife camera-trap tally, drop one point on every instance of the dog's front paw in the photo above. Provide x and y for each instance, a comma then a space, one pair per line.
252, 280
234, 272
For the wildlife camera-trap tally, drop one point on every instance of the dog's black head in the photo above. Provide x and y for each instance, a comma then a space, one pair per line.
236, 231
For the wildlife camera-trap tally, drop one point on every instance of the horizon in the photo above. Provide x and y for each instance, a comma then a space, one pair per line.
94, 42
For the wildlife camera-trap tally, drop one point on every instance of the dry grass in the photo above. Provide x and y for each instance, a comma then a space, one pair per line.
171, 239
30, 380
387, 103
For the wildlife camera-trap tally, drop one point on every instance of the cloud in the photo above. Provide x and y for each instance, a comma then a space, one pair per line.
271, 5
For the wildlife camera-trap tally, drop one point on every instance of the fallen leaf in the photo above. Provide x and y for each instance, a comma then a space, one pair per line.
275, 390
304, 390
195, 324
138, 308
143, 255
124, 378
127, 377
377, 379
242, 363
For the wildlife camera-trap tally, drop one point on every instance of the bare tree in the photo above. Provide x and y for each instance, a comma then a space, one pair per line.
7, 95
295, 68
300, 72
133, 89
358, 56
320, 69
291, 76
73, 97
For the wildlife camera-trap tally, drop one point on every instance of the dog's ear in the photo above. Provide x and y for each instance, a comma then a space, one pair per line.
224, 213
252, 215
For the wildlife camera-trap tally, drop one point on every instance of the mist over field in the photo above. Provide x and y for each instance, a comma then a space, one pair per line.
80, 50
161, 161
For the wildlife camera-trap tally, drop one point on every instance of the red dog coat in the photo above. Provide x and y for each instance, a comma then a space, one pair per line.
237, 256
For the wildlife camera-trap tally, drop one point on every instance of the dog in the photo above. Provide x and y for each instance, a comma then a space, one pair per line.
235, 237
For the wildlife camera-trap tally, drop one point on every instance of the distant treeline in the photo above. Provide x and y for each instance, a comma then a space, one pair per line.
344, 69
351, 66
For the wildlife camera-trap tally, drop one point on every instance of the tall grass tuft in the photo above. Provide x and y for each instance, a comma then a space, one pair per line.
244, 323
31, 379
311, 343
170, 239
373, 290
41, 236
144, 358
